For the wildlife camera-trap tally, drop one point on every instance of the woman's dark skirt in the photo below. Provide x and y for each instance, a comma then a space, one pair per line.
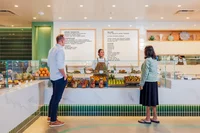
149, 94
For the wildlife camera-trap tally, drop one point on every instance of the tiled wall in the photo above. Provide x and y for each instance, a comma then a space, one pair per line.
123, 110
15, 43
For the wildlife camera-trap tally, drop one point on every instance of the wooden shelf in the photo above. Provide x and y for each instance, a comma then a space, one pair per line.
176, 41
175, 34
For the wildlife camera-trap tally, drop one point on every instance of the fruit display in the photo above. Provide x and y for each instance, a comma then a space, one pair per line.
111, 76
74, 83
92, 83
77, 71
122, 71
101, 83
136, 71
69, 78
16, 82
10, 81
97, 78
18, 76
84, 83
43, 72
116, 82
132, 79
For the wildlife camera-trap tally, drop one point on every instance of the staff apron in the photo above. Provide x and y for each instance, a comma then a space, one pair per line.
101, 66
179, 62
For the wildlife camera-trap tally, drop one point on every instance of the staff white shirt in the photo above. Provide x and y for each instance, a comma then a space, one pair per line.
56, 61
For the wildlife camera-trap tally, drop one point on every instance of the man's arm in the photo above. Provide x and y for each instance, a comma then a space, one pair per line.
60, 61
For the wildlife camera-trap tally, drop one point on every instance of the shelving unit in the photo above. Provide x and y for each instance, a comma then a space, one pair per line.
194, 35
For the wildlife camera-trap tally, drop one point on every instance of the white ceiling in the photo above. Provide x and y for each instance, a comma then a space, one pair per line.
96, 10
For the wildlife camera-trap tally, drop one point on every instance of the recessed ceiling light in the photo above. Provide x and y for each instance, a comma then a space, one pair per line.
146, 5
113, 5
12, 25
179, 5
195, 25
85, 17
109, 25
130, 25
34, 17
136, 17
48, 5
187, 17
41, 13
16, 6
161, 17
110, 17
59, 17
81, 5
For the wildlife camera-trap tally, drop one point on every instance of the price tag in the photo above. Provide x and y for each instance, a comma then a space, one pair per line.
19, 83
26, 81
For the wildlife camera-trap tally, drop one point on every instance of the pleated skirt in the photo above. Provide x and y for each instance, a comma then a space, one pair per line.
149, 94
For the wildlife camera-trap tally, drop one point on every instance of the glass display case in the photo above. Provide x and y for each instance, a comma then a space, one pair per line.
82, 74
16, 72
116, 74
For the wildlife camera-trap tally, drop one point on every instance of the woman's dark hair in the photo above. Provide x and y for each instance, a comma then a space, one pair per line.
149, 52
99, 51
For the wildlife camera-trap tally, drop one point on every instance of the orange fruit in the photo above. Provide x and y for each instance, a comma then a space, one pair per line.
41, 69
43, 72
45, 69
48, 74
41, 75
45, 75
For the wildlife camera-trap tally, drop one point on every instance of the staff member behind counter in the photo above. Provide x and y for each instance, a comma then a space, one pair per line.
100, 64
180, 60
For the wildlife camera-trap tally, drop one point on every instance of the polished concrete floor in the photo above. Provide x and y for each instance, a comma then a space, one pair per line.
117, 125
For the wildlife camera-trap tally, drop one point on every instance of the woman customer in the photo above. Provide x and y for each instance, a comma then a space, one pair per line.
149, 85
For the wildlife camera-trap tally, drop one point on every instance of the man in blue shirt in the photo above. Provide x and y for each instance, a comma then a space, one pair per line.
56, 63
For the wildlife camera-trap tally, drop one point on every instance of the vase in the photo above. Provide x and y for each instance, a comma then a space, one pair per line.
171, 38
161, 37
194, 37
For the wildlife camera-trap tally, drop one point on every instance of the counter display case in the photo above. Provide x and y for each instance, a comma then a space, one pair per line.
16, 72
119, 74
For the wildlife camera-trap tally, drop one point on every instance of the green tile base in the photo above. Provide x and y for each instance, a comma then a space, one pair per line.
123, 110
26, 123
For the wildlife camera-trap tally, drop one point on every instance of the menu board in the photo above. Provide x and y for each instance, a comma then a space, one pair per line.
122, 46
80, 44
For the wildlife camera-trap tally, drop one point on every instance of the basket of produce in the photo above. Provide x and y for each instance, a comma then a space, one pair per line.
132, 79
43, 73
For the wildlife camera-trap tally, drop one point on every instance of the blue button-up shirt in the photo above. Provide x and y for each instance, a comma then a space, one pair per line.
56, 61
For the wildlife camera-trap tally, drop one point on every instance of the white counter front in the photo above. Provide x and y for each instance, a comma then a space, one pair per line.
18, 103
181, 92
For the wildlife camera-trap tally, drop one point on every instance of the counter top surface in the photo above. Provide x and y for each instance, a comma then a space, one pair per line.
19, 87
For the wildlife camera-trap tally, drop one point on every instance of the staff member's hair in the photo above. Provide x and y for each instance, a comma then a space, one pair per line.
59, 38
99, 51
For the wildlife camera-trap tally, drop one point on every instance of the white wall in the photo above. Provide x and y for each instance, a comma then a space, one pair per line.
142, 26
